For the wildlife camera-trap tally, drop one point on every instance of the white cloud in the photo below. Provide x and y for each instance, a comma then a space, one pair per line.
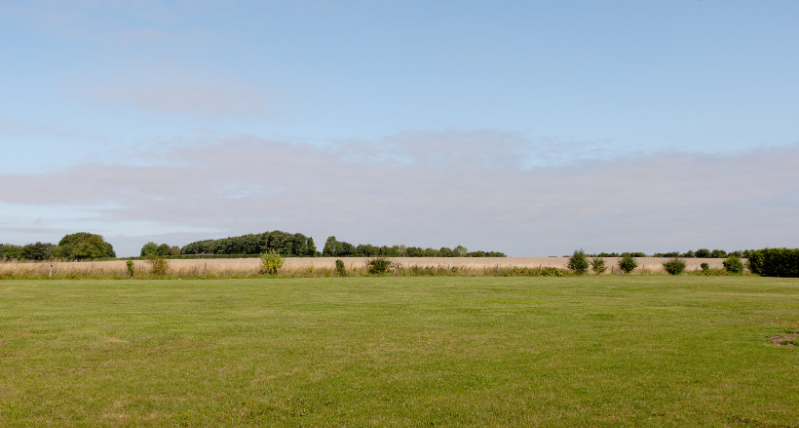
444, 189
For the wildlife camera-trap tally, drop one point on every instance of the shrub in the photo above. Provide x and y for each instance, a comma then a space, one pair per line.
158, 266
627, 263
271, 262
705, 267
775, 262
577, 262
674, 266
733, 264
379, 265
340, 269
598, 265
131, 271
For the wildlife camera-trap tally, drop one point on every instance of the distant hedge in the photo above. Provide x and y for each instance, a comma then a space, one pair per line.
775, 262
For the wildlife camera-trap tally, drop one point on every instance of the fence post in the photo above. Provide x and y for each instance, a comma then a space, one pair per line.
51, 270
205, 270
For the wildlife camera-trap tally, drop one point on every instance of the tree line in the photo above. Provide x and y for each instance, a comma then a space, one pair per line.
286, 244
76, 246
702, 253
336, 248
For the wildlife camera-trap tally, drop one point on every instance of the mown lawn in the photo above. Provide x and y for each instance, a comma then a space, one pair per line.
478, 351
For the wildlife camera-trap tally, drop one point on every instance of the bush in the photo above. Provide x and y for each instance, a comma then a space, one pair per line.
733, 264
598, 265
131, 271
775, 262
379, 265
271, 262
577, 262
340, 269
627, 263
674, 266
705, 267
158, 266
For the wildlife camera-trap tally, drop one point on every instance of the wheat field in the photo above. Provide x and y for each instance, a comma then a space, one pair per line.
249, 266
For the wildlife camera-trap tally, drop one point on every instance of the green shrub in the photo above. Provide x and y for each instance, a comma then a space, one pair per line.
733, 264
131, 271
577, 262
340, 269
598, 265
782, 262
271, 262
379, 265
674, 266
158, 266
705, 267
627, 263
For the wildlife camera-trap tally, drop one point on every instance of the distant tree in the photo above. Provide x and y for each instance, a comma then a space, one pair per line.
331, 247
414, 252
81, 246
702, 253
476, 254
10, 251
311, 247
174, 251
460, 251
431, 252
598, 265
627, 263
37, 251
718, 254
347, 249
163, 250
149, 249
578, 263
386, 251
445, 252
495, 254
109, 251
689, 254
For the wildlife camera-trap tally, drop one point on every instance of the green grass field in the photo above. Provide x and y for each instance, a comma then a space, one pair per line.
481, 351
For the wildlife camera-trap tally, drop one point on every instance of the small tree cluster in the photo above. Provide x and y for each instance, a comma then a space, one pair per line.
151, 249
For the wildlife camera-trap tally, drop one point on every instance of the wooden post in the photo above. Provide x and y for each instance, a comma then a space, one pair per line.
205, 270
51, 270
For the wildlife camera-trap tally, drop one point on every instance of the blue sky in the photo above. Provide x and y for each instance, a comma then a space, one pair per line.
527, 127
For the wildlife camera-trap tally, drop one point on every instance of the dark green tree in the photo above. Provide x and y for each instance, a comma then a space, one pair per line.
37, 251
702, 253
627, 263
149, 249
82, 246
331, 247
578, 263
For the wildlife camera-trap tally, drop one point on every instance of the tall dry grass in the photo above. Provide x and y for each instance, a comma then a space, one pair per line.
306, 268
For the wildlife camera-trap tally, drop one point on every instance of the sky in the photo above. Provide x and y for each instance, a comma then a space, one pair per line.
531, 128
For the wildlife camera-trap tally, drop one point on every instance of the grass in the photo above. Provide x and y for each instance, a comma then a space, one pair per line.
400, 351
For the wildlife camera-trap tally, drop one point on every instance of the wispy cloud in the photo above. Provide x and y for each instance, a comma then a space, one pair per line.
444, 188
173, 88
